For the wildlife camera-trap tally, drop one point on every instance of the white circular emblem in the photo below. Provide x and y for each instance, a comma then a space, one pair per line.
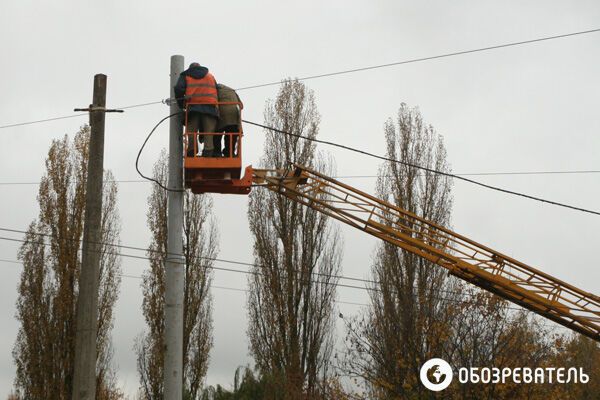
436, 374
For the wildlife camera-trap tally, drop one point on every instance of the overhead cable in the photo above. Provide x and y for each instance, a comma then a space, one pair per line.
373, 285
211, 286
337, 284
430, 170
137, 159
575, 172
416, 60
348, 71
127, 247
430, 296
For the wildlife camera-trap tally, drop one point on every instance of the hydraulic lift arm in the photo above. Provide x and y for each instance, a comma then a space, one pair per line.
477, 264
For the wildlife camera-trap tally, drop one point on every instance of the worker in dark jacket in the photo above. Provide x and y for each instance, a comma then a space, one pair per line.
196, 89
229, 119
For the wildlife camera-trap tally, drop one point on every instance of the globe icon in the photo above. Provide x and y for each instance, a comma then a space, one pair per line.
435, 375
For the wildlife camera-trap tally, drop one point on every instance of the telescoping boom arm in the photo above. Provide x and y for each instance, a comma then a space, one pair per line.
477, 264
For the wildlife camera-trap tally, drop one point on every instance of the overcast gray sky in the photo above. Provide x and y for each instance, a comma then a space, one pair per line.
528, 108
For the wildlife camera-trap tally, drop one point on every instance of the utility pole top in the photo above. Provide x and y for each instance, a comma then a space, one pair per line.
99, 99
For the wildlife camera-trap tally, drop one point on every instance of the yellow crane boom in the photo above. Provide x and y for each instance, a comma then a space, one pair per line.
462, 257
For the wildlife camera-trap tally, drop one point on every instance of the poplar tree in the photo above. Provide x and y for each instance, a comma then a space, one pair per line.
48, 290
200, 247
290, 307
417, 310
410, 312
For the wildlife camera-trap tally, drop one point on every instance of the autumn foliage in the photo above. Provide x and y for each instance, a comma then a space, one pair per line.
418, 312
51, 256
297, 257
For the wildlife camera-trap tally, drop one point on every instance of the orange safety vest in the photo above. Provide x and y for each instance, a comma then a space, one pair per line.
201, 91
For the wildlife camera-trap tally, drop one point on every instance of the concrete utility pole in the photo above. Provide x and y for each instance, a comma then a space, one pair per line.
174, 268
84, 380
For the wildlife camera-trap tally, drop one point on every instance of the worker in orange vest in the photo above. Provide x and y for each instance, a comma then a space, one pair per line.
196, 89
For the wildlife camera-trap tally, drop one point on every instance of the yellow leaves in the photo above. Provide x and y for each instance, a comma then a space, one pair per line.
44, 348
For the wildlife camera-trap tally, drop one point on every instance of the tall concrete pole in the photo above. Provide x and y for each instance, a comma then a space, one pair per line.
84, 380
174, 267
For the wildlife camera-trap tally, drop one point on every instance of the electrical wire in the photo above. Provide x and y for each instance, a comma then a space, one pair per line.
211, 286
348, 71
42, 120
485, 174
128, 247
335, 284
450, 175
120, 246
163, 101
429, 296
416, 60
115, 181
371, 288
455, 176
137, 159
575, 172
430, 170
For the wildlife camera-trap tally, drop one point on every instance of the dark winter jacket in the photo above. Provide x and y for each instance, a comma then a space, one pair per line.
229, 114
197, 73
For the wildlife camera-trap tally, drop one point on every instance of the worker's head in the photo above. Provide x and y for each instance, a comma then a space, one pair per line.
194, 64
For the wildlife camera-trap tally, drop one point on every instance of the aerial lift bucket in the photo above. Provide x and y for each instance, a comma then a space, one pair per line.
216, 174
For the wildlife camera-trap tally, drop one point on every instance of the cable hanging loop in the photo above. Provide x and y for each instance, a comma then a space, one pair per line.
137, 159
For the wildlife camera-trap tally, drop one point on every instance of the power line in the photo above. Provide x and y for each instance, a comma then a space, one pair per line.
42, 120
76, 115
144, 104
216, 259
429, 296
416, 60
426, 169
348, 71
489, 173
137, 159
336, 276
574, 172
447, 174
38, 182
336, 284
361, 280
211, 286
371, 155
